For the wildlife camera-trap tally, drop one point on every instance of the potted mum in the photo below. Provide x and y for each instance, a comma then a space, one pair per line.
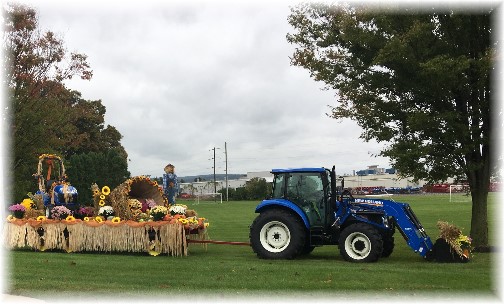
18, 210
107, 212
60, 212
178, 209
83, 212
158, 212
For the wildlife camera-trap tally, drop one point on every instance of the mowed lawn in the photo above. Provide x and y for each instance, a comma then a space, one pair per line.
236, 270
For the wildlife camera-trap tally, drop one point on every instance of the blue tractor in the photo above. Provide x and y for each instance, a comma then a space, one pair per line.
308, 209
53, 185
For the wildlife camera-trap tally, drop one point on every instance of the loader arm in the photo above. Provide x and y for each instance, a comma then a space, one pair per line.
409, 226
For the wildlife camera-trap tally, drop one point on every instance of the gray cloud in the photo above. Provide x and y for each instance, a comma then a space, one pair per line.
179, 79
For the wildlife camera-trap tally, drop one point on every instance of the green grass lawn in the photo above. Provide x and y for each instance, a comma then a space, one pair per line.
235, 270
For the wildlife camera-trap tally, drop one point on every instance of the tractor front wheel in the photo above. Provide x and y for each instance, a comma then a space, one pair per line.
277, 234
360, 243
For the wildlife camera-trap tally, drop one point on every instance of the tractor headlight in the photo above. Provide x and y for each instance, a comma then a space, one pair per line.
385, 222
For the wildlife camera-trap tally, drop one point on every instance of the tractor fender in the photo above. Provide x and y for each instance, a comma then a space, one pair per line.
284, 204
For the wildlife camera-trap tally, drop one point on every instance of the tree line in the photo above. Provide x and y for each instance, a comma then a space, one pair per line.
43, 115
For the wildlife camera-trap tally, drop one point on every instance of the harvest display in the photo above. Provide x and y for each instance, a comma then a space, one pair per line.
134, 217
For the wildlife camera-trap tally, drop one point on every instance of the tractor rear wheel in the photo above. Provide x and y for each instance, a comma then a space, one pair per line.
277, 234
360, 243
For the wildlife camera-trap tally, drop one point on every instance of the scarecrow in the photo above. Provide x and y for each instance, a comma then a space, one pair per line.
170, 183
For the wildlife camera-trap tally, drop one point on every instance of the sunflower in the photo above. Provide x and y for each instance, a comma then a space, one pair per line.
86, 219
41, 218
98, 219
105, 190
10, 218
101, 203
183, 221
96, 192
116, 219
207, 224
70, 218
102, 197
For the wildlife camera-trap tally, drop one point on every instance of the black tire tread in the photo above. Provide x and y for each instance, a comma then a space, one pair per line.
292, 221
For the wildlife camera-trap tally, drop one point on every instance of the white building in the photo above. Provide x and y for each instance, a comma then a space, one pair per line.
381, 179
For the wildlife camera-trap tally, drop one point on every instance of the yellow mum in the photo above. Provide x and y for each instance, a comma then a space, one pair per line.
105, 190
101, 203
116, 219
70, 218
27, 203
41, 218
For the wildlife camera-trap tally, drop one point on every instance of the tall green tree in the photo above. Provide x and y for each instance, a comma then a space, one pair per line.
108, 168
35, 65
42, 114
419, 81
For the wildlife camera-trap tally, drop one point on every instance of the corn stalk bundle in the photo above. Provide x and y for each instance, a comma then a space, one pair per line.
450, 233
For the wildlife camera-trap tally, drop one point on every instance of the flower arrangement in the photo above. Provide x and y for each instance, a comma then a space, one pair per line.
460, 243
100, 195
60, 212
134, 204
106, 211
18, 210
83, 212
178, 209
28, 204
158, 212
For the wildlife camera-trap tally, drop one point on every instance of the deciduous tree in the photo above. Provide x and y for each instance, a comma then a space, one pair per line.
419, 81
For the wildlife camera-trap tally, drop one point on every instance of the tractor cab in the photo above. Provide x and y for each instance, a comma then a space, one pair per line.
313, 190
307, 188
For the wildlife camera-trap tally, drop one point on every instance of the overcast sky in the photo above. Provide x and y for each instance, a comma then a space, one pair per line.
181, 78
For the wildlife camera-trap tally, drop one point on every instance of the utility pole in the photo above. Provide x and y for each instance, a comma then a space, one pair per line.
227, 189
214, 182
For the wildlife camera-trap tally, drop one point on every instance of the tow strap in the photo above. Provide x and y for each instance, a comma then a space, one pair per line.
218, 242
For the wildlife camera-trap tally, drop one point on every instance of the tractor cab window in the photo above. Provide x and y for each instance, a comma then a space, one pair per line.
279, 186
306, 189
